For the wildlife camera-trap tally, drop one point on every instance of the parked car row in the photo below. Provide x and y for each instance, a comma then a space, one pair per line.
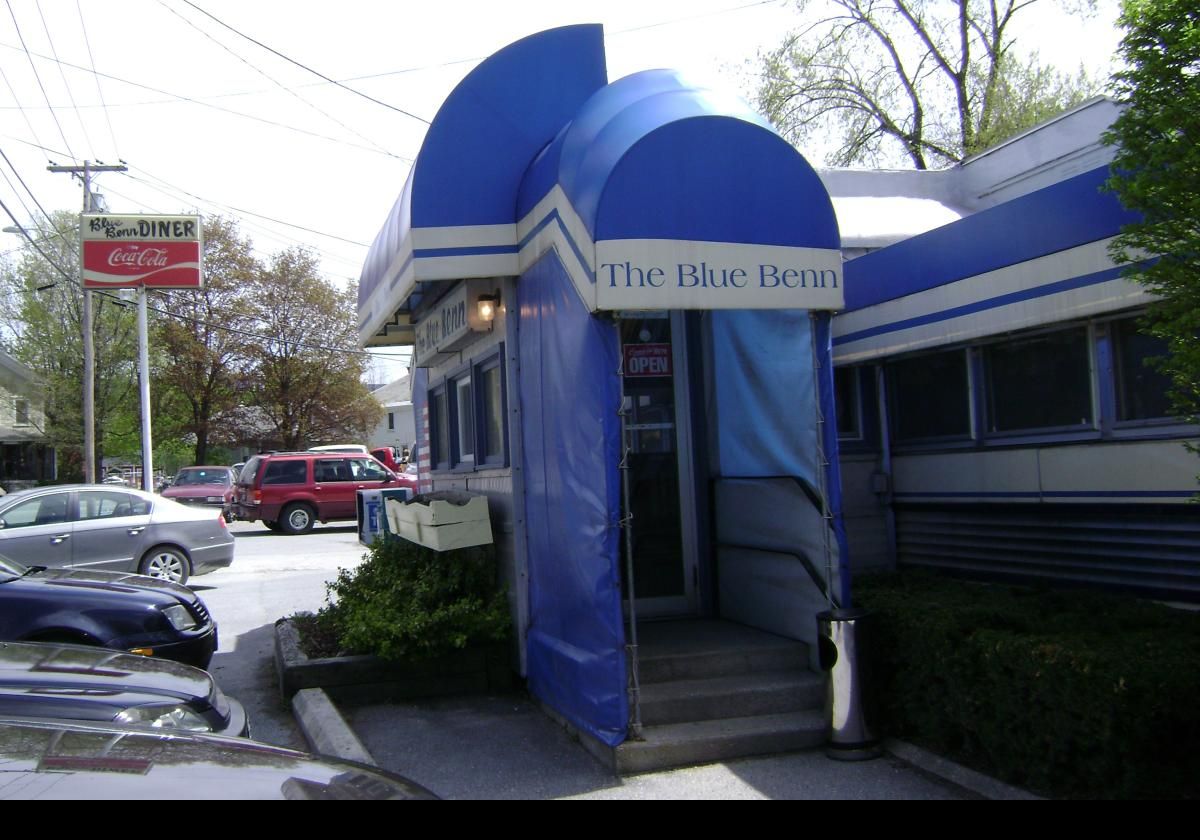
102, 692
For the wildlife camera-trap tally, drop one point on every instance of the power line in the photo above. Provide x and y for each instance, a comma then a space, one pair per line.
274, 81
99, 89
303, 66
62, 73
250, 212
195, 101
175, 315
36, 75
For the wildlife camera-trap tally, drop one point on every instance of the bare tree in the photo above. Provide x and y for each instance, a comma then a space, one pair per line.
929, 81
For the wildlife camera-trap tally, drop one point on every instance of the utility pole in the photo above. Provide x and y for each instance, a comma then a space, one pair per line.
89, 350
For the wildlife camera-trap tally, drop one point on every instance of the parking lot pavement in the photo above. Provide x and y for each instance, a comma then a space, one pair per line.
272, 576
505, 747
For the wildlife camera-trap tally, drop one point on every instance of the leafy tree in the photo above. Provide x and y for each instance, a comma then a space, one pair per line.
930, 81
43, 315
203, 344
304, 376
1156, 172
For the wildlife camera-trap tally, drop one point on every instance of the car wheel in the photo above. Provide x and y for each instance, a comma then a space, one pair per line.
296, 519
165, 563
272, 526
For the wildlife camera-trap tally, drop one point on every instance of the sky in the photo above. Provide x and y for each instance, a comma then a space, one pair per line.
210, 122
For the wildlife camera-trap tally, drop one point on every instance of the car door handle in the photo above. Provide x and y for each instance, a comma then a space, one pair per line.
57, 539
133, 532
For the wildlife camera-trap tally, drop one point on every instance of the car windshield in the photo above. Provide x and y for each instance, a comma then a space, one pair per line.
202, 477
11, 570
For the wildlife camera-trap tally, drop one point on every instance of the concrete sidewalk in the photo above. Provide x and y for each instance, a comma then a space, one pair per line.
505, 747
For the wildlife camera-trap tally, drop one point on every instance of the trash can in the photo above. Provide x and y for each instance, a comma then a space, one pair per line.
851, 737
370, 515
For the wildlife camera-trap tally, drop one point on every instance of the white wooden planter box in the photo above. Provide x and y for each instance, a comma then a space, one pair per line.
441, 521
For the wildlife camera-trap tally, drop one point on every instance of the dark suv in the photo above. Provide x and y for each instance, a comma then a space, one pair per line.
290, 491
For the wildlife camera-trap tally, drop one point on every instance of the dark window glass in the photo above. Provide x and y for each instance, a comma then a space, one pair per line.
1141, 389
928, 396
367, 469
464, 411
286, 472
441, 429
848, 405
1039, 383
391, 420
21, 409
493, 414
105, 504
45, 510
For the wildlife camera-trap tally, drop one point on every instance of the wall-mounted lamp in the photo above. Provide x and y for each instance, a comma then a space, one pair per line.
487, 306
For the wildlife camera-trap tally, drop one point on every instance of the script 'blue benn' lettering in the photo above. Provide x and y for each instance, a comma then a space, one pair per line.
701, 276
770, 277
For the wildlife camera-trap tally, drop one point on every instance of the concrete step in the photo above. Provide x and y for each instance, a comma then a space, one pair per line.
738, 695
704, 742
662, 663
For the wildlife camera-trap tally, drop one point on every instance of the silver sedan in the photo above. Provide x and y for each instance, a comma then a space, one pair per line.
90, 526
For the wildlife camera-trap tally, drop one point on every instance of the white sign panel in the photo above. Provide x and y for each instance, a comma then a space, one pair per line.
671, 274
446, 327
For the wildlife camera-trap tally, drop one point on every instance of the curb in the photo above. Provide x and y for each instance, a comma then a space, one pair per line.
964, 777
325, 729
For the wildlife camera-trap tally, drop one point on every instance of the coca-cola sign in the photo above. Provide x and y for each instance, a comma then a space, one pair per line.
121, 252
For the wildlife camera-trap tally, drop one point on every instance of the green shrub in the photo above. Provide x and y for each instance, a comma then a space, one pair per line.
1072, 694
407, 602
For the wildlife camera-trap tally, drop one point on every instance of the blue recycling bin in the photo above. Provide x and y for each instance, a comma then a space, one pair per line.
371, 522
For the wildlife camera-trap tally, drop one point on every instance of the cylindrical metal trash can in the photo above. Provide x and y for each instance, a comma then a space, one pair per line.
850, 734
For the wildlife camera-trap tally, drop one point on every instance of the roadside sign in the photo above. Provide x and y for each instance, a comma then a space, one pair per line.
129, 252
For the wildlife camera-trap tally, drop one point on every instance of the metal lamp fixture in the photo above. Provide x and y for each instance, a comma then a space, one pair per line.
487, 306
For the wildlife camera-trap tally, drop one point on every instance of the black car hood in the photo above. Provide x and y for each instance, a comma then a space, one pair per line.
152, 590
65, 671
60, 760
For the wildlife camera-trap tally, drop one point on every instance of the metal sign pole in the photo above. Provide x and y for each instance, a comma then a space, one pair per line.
144, 383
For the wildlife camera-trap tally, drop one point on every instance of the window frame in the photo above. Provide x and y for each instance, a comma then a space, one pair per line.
953, 440
1075, 431
489, 363
449, 392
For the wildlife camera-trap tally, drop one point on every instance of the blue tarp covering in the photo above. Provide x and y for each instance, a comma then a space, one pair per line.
570, 395
758, 357
764, 385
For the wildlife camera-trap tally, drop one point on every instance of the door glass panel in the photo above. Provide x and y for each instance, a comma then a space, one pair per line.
653, 459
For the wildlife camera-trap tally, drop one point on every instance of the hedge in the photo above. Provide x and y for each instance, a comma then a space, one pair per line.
1067, 693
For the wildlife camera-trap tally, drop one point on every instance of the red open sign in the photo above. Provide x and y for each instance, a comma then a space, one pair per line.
643, 360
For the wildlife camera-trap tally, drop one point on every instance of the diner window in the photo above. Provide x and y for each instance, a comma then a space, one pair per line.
439, 420
929, 397
1039, 383
464, 422
489, 377
848, 403
467, 417
1141, 388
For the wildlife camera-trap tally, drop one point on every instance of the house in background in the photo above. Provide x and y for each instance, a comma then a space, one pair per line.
25, 457
396, 428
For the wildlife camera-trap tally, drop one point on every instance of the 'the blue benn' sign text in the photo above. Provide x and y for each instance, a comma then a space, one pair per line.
669, 274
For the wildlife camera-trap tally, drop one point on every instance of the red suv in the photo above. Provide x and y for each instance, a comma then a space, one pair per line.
291, 491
